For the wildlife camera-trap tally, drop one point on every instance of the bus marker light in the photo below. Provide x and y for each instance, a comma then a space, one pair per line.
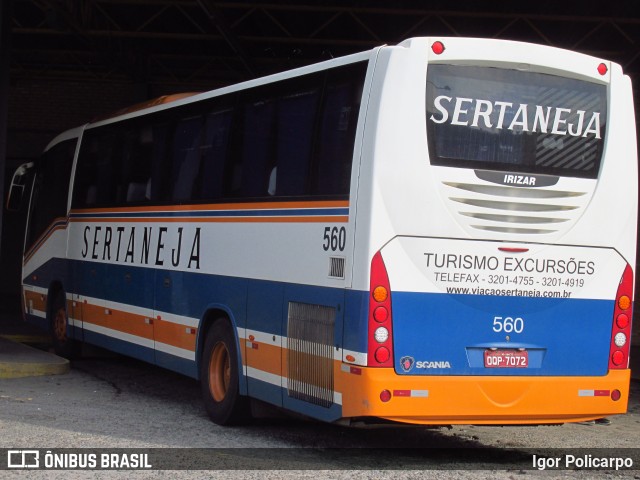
620, 339
615, 395
624, 302
437, 47
617, 358
381, 334
382, 354
385, 395
622, 321
380, 314
602, 69
380, 294
350, 358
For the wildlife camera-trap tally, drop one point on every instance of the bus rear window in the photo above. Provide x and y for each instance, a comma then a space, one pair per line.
510, 120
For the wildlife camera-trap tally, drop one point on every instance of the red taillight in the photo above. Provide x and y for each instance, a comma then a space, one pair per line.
602, 69
622, 314
380, 314
437, 47
622, 321
385, 395
380, 350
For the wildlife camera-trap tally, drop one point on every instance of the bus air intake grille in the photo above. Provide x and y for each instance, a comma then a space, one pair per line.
310, 332
513, 210
336, 267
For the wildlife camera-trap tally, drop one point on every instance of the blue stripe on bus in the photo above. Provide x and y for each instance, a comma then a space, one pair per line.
219, 213
119, 346
449, 334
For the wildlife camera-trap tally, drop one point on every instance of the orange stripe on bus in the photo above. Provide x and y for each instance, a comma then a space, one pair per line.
273, 359
129, 323
175, 334
38, 300
166, 332
265, 357
302, 219
44, 237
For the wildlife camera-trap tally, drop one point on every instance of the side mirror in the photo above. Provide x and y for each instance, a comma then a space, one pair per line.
18, 187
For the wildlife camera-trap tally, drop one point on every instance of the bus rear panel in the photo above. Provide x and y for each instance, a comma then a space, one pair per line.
502, 207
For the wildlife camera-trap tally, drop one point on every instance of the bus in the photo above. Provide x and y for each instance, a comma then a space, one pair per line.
438, 232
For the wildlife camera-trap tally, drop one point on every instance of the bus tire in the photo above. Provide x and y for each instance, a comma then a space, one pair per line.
219, 376
63, 345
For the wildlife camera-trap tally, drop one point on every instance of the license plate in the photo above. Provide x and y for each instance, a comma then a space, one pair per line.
506, 359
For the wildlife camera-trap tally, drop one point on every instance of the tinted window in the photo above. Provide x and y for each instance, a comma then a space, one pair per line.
295, 126
293, 138
499, 119
115, 165
95, 183
338, 121
185, 165
276, 141
215, 152
51, 188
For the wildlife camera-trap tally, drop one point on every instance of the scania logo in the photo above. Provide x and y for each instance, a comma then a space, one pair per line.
406, 363
428, 364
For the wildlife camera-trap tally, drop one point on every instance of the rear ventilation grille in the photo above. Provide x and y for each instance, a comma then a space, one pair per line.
515, 210
499, 191
310, 332
336, 267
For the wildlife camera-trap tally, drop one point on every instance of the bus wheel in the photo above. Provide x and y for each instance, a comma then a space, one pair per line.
219, 376
62, 344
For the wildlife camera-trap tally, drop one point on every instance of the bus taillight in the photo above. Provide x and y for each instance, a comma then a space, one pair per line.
437, 47
602, 69
380, 350
621, 331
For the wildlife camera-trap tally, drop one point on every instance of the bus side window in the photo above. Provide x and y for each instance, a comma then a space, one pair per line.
108, 161
51, 189
186, 158
98, 166
215, 150
158, 184
136, 165
296, 115
337, 130
258, 145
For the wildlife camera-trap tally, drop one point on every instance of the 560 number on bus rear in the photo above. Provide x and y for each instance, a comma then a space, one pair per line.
508, 324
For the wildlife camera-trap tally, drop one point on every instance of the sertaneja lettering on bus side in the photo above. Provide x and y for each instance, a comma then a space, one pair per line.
119, 244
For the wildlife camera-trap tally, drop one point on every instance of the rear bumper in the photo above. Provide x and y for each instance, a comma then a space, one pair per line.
445, 400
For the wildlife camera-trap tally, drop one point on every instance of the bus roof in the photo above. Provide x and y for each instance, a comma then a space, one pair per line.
146, 104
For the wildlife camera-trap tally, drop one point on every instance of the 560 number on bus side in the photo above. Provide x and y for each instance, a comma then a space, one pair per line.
334, 239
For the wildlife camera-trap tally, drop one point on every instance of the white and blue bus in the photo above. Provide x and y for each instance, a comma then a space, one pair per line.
438, 232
